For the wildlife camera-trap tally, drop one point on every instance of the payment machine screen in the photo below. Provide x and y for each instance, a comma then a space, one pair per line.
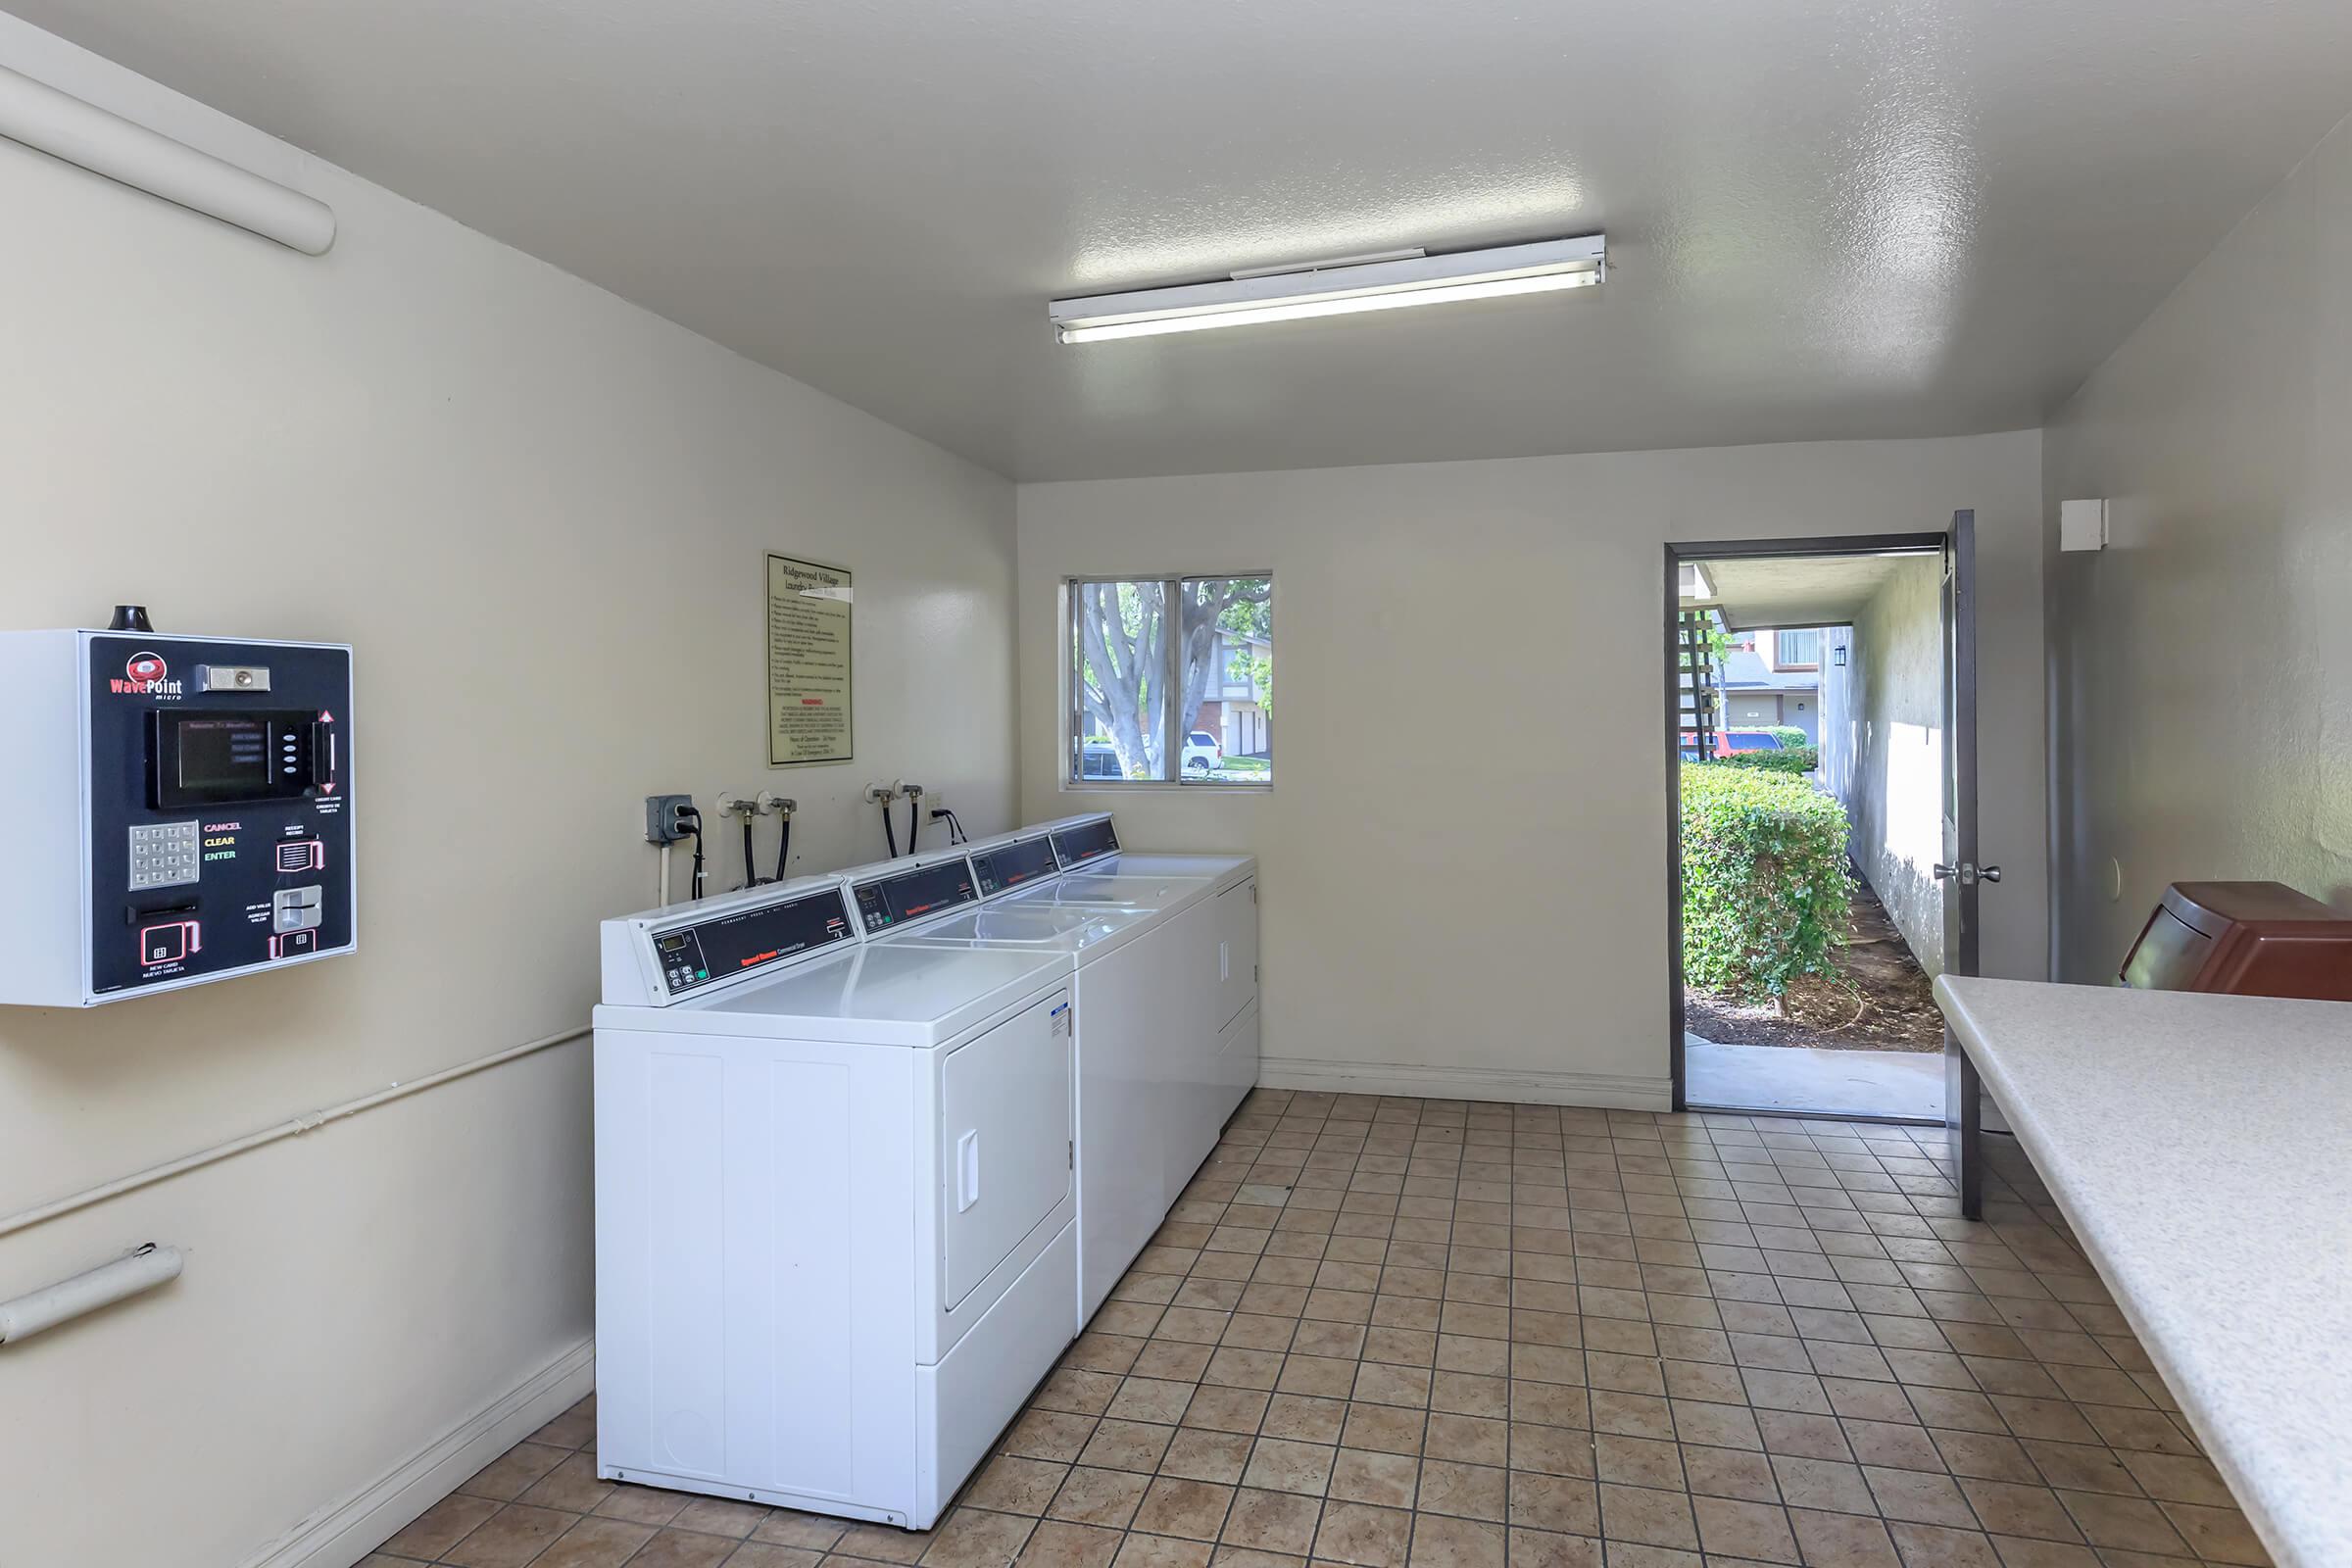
893, 901
224, 754
696, 954
1089, 843
1011, 864
201, 756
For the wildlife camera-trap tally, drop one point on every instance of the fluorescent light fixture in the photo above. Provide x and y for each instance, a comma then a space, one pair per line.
1335, 288
64, 126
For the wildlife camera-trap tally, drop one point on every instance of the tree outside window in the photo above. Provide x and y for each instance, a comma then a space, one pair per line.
1172, 678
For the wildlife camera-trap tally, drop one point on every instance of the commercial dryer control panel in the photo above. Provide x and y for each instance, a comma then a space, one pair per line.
895, 899
686, 950
1002, 868
179, 811
1090, 838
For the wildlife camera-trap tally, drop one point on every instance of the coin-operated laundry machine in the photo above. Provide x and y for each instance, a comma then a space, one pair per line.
835, 1199
1218, 1060
178, 810
1136, 1010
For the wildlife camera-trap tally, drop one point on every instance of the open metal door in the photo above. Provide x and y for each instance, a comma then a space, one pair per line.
1959, 870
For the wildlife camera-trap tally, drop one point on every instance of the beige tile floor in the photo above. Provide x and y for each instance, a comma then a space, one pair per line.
1423, 1334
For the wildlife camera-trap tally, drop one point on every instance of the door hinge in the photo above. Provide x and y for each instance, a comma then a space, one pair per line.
1253, 974
1073, 1153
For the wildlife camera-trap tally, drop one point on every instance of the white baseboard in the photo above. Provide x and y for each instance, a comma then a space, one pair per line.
341, 1536
1602, 1089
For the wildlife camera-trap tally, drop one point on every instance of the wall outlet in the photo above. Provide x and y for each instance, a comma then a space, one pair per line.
664, 821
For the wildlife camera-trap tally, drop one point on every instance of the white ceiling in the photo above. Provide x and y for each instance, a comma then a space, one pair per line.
1840, 219
1755, 593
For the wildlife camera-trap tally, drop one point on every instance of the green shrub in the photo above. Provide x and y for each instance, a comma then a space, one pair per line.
1798, 760
1764, 883
1787, 734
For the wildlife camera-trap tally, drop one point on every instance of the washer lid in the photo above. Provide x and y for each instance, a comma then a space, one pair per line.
1016, 923
877, 993
1082, 933
1159, 863
1109, 890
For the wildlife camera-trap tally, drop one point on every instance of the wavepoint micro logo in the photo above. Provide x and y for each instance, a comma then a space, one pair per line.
145, 675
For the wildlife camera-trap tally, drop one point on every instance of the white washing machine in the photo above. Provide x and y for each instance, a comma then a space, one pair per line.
1099, 868
835, 1197
1146, 989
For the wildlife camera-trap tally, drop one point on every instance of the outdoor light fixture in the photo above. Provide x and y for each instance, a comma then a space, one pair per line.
1340, 286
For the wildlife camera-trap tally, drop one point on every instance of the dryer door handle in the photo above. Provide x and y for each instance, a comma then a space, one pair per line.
968, 1170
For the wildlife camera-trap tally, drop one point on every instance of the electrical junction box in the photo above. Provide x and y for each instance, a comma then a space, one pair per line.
179, 810
2082, 524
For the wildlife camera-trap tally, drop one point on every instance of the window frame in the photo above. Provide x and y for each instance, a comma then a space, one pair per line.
1782, 666
1179, 725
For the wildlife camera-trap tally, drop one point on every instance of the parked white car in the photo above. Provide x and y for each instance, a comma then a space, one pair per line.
1203, 752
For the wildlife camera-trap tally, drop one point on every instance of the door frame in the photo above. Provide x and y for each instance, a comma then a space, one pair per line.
1677, 554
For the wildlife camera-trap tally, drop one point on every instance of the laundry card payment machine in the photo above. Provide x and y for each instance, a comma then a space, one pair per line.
178, 810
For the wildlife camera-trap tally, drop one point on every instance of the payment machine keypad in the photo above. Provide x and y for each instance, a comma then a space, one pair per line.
164, 854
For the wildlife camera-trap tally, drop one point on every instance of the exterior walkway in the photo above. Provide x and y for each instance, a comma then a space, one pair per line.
1807, 1078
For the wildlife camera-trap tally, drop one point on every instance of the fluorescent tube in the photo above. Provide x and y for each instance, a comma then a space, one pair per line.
1335, 290
64, 126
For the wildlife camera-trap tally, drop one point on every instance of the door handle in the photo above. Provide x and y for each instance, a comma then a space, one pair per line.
1965, 872
1990, 873
968, 1170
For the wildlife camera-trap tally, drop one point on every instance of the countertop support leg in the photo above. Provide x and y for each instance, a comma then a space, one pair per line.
1963, 1100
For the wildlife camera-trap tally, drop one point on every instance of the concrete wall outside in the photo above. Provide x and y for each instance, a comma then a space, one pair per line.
1882, 748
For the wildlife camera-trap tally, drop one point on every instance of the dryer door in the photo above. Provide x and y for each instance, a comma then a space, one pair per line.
1236, 950
1005, 1139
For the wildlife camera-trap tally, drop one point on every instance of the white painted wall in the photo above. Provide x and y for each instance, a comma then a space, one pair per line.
538, 512
2202, 666
1492, 920
1882, 750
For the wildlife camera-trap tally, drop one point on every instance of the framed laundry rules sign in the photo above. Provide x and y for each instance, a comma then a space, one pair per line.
808, 690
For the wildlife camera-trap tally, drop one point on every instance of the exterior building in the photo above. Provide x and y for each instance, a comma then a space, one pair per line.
1234, 711
1773, 677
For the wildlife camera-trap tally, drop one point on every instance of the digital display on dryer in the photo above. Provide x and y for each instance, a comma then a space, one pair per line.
719, 950
1009, 865
887, 902
1089, 843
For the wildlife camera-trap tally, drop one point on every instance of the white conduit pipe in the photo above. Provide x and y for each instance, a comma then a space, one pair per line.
82, 134
26, 1218
45, 1308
